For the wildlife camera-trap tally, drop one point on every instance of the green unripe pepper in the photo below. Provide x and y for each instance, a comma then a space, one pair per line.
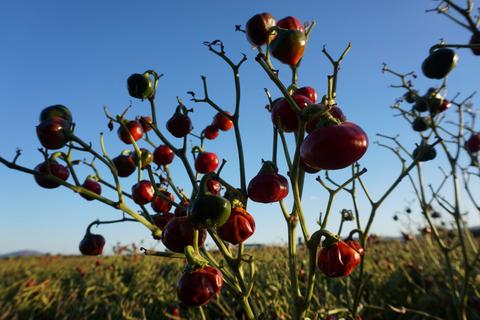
140, 86
208, 210
439, 63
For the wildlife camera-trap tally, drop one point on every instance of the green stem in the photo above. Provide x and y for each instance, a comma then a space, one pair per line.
279, 84
241, 158
202, 313
293, 86
294, 174
98, 222
285, 150
275, 146
456, 46
153, 110
195, 241
292, 262
247, 308
163, 254
170, 182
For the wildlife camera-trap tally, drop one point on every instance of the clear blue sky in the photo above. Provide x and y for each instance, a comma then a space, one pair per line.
81, 53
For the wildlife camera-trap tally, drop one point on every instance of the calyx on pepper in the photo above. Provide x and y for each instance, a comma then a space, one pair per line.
424, 152
321, 113
208, 210
330, 238
235, 195
195, 260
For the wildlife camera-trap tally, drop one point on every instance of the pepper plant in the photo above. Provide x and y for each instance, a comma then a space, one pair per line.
450, 123
323, 141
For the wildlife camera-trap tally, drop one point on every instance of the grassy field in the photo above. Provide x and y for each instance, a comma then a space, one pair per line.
405, 280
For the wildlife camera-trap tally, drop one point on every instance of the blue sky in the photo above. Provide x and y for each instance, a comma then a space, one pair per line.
80, 54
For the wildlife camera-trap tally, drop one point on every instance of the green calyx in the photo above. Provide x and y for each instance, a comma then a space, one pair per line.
195, 261
424, 152
321, 114
330, 239
268, 167
54, 156
314, 111
181, 109
236, 197
208, 210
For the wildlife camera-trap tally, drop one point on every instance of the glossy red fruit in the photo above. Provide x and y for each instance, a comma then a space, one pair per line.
238, 228
475, 39
56, 169
92, 244
268, 186
145, 121
161, 219
143, 192
335, 111
93, 186
163, 155
283, 115
257, 28
355, 245
338, 259
473, 143
214, 186
444, 106
206, 162
291, 23
179, 125
334, 147
160, 204
211, 132
198, 287
182, 209
221, 122
52, 133
288, 46
178, 234
135, 129
307, 92
125, 165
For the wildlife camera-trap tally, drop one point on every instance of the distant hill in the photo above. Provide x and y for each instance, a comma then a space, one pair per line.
475, 231
21, 253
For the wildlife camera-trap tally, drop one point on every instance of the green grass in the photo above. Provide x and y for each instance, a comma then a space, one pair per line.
407, 275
